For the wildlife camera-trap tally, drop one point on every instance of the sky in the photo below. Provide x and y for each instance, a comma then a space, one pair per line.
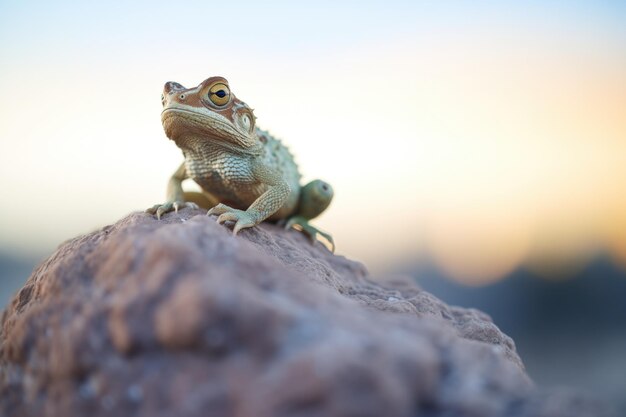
480, 136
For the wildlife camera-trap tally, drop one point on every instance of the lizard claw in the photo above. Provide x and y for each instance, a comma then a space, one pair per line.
161, 209
181, 204
287, 224
242, 218
243, 221
153, 209
219, 209
165, 208
309, 230
226, 217
330, 240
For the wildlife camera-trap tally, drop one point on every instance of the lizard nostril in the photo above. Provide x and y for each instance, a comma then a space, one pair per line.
325, 187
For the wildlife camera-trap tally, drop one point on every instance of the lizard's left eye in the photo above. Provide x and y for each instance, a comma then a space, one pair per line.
219, 94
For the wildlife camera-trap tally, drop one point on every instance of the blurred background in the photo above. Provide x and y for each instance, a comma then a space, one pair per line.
478, 146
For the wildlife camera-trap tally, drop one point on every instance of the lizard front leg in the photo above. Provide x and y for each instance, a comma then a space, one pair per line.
263, 207
174, 194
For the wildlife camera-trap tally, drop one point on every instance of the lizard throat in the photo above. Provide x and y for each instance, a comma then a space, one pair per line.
189, 129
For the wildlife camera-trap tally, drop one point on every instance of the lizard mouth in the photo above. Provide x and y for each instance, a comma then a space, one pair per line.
178, 109
180, 123
175, 112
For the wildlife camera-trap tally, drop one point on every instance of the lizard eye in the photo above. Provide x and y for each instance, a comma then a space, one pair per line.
219, 94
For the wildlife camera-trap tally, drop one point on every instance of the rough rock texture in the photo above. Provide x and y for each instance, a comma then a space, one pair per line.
179, 318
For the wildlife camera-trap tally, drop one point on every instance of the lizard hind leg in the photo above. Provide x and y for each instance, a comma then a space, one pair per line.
315, 197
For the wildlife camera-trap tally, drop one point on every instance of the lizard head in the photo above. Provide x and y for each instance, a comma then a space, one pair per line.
209, 112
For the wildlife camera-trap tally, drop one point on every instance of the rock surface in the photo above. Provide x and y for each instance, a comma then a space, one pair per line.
179, 318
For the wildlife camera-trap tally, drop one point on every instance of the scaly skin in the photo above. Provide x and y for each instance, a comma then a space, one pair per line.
246, 175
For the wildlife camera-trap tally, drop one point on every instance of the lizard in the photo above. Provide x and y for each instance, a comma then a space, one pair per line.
246, 175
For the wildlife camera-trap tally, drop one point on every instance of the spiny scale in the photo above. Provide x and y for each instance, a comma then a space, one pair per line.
279, 156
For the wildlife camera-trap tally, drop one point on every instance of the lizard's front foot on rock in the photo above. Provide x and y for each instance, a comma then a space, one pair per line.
242, 218
161, 209
309, 230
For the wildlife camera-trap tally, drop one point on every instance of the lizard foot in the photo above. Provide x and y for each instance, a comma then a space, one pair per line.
161, 209
242, 218
309, 230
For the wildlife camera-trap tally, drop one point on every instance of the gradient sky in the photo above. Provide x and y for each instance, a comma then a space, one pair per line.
480, 135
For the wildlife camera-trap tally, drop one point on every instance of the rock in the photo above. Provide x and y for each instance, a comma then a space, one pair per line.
179, 318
